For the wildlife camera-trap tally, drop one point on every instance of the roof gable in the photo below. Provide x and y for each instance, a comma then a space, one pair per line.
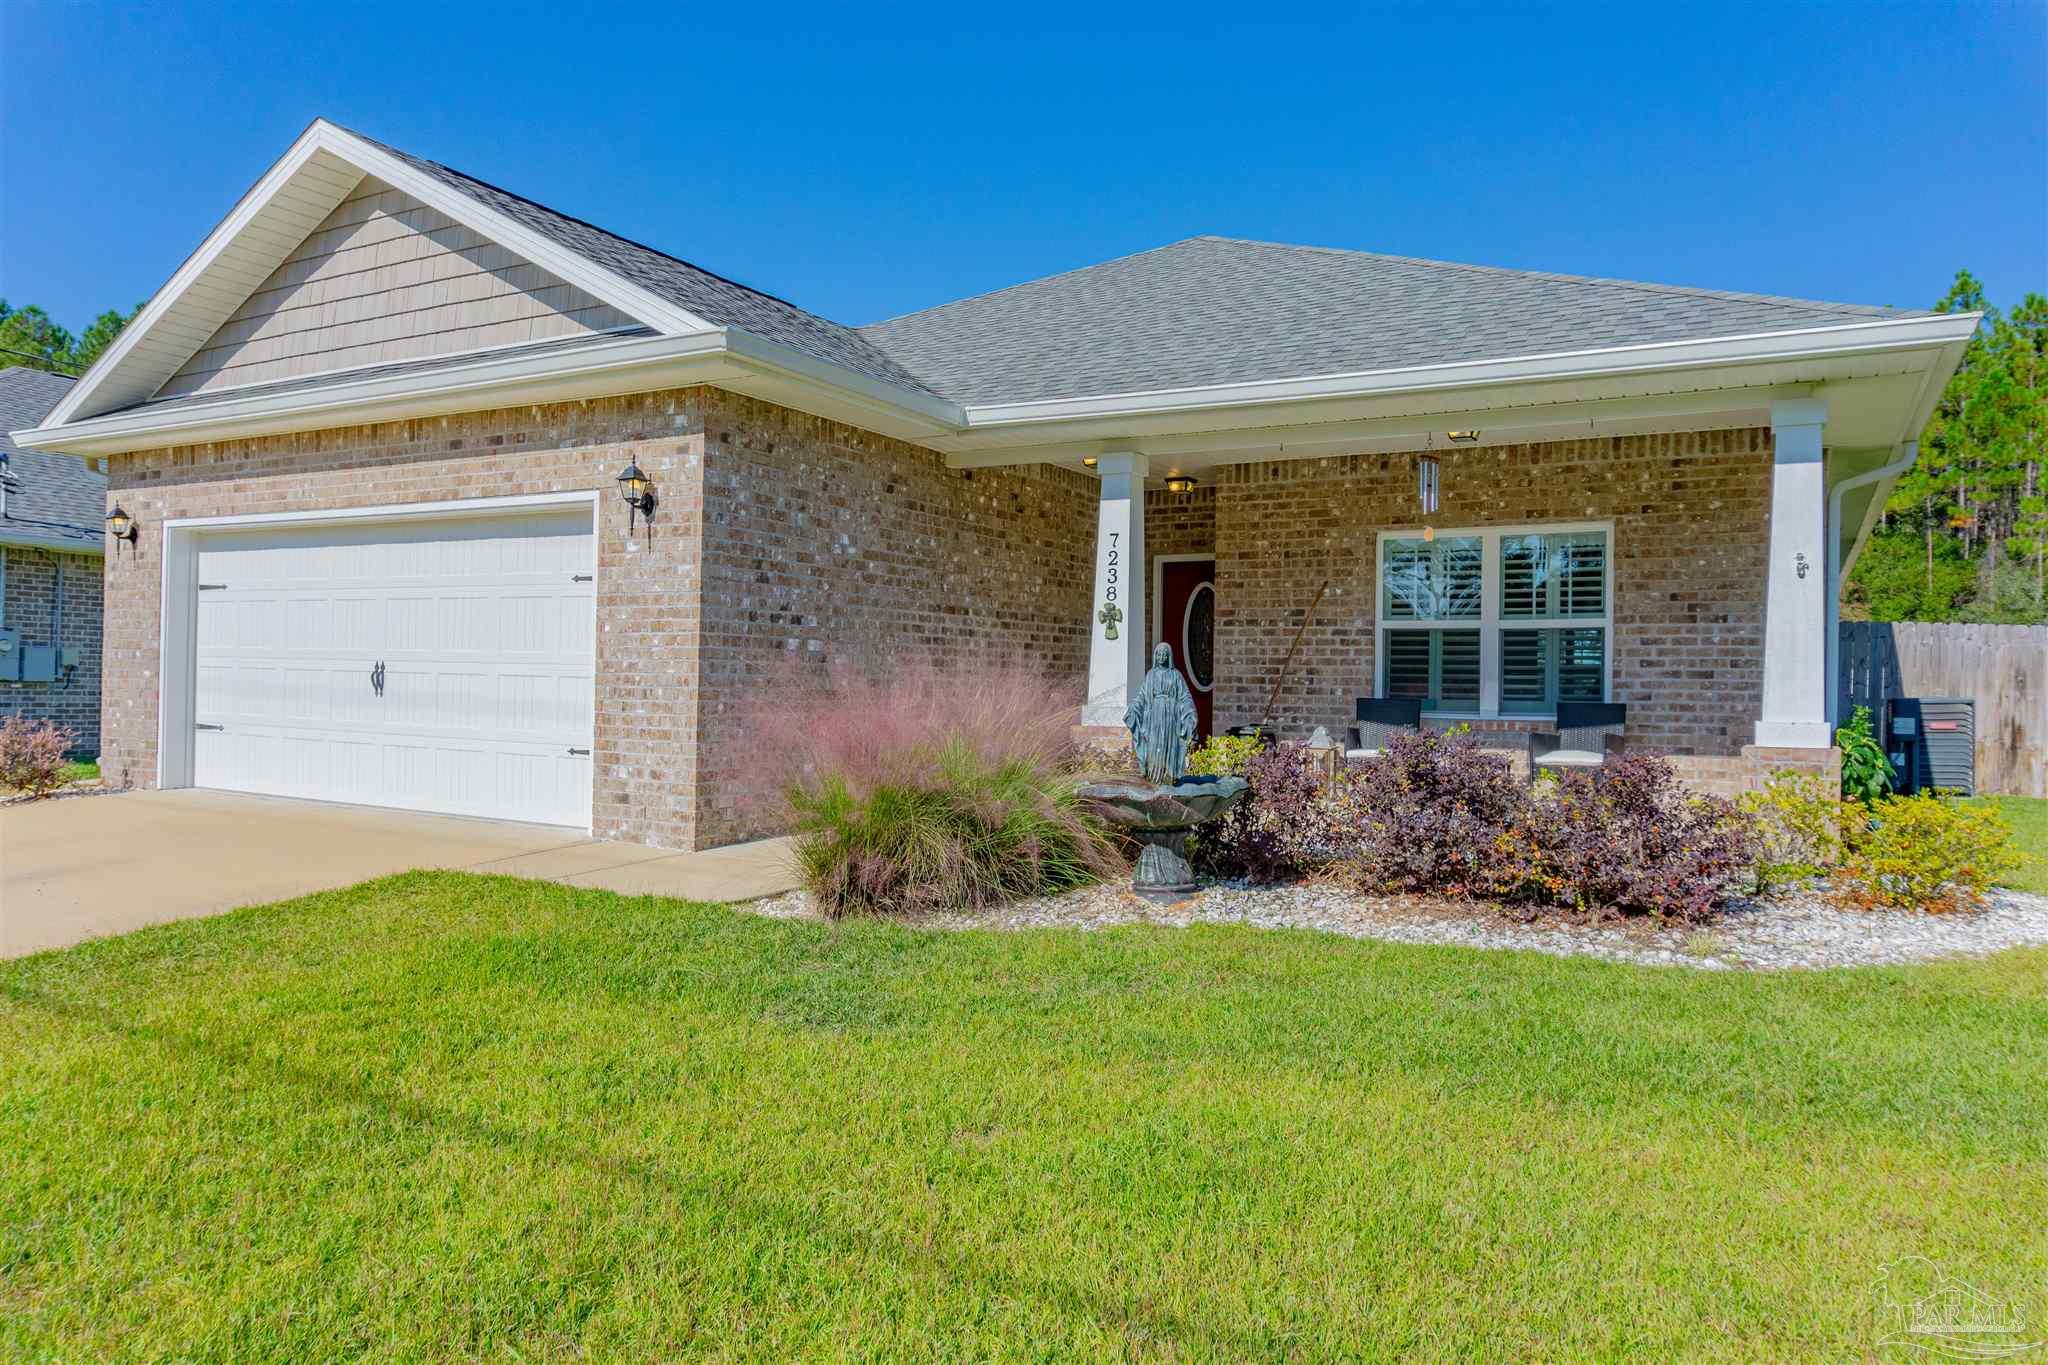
320, 171
1215, 310
387, 278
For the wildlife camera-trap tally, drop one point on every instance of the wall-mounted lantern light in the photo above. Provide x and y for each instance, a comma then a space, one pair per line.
121, 527
1179, 483
638, 491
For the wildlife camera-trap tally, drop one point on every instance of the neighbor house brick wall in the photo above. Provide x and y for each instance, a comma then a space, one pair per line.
1691, 516
34, 579
822, 540
835, 539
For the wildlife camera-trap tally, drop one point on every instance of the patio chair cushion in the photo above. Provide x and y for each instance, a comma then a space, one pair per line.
1570, 758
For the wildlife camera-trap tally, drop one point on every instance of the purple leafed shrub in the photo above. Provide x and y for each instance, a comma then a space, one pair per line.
33, 755
1628, 837
920, 789
1280, 830
1427, 814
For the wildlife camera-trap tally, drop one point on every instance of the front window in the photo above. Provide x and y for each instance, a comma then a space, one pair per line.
1496, 622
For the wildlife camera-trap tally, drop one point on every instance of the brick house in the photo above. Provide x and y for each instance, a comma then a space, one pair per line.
51, 548
373, 431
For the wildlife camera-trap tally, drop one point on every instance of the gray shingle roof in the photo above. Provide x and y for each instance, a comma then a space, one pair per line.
1217, 310
717, 300
50, 498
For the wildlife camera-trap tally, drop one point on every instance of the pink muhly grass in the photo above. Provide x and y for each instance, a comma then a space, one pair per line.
871, 728
921, 788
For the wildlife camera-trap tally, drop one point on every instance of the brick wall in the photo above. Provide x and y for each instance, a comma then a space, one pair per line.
32, 580
835, 539
825, 540
1691, 526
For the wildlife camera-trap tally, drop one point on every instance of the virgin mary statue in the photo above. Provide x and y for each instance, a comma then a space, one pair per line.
1161, 719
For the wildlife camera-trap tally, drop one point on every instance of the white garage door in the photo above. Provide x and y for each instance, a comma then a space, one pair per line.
440, 665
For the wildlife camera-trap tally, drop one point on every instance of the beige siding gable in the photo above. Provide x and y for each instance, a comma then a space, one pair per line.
384, 278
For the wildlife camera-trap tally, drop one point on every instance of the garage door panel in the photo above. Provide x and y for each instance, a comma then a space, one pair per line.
486, 641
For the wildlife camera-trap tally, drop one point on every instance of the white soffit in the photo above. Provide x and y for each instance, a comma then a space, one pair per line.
270, 221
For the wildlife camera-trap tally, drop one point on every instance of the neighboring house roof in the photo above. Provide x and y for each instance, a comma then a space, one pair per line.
54, 501
1218, 310
713, 298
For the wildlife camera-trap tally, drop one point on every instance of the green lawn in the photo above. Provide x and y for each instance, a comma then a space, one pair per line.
445, 1116
88, 771
2029, 817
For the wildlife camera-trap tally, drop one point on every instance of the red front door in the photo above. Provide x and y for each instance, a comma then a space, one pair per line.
1187, 621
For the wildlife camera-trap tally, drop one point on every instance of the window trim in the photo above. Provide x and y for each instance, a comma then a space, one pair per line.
1490, 622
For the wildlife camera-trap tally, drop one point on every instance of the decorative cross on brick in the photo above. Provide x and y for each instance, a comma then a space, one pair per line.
1109, 616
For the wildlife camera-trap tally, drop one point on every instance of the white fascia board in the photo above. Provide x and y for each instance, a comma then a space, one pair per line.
1889, 334
727, 358
29, 538
630, 365
246, 218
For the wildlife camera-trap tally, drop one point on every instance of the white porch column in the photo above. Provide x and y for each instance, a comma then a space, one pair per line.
1796, 614
1116, 616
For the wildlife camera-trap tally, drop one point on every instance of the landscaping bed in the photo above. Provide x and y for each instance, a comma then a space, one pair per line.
1796, 930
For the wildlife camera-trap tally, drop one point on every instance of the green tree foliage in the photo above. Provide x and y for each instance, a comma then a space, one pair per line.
28, 337
1965, 531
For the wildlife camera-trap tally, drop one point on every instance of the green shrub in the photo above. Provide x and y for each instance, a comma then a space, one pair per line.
1797, 825
1866, 772
1925, 852
1225, 755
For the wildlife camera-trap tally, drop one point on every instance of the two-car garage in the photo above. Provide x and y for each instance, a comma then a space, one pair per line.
417, 658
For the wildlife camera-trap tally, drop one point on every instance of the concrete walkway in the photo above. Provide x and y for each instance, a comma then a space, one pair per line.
82, 867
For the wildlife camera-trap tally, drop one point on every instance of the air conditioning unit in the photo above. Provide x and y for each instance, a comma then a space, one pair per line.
1934, 743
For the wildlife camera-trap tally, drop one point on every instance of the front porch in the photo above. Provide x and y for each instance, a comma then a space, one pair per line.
1685, 574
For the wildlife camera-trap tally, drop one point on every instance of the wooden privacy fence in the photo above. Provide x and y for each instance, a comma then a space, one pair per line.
2003, 668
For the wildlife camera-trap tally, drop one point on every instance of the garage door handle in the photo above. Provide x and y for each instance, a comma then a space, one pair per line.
202, 725
584, 752
377, 678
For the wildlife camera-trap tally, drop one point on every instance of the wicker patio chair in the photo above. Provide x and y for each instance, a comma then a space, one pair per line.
1587, 734
1379, 719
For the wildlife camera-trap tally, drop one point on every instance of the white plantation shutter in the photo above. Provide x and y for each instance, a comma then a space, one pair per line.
1552, 574
1537, 604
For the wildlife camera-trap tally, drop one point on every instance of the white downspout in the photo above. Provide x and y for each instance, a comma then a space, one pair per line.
1834, 642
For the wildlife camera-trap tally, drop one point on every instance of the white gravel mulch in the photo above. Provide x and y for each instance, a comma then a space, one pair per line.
1800, 931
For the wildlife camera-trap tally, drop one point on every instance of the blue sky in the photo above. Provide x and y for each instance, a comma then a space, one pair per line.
866, 161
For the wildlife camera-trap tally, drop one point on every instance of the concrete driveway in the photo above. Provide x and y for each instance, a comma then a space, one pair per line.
82, 867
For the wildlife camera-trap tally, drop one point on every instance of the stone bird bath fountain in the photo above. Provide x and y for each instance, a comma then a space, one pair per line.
1164, 804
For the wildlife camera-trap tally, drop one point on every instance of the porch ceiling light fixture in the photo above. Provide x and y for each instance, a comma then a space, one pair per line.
1463, 438
1088, 462
638, 491
122, 527
1179, 483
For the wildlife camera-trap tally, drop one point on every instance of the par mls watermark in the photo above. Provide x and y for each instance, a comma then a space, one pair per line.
1921, 1309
